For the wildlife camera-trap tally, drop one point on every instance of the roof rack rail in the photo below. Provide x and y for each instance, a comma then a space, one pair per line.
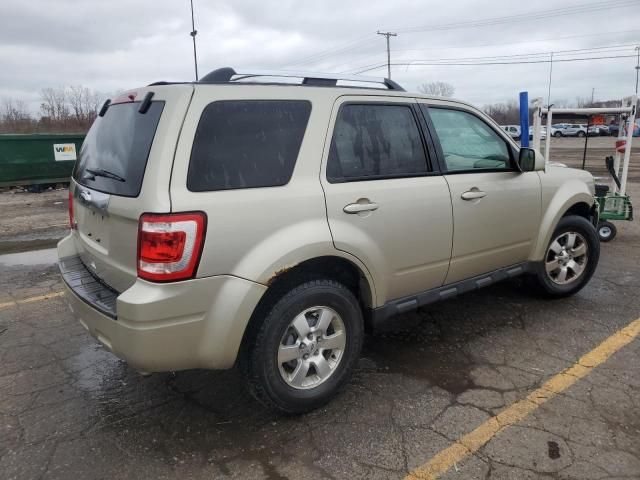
227, 74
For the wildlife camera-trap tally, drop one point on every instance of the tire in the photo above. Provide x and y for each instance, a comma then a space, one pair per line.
581, 133
607, 231
552, 283
282, 386
557, 134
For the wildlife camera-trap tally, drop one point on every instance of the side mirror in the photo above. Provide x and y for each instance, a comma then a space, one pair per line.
530, 160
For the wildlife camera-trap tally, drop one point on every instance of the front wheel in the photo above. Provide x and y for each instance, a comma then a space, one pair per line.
581, 133
306, 347
557, 134
606, 231
571, 258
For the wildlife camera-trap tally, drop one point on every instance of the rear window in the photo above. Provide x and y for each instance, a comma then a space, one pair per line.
247, 144
114, 154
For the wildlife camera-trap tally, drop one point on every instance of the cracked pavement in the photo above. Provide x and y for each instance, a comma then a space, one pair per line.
69, 409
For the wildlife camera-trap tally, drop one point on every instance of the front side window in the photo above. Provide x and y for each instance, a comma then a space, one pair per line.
247, 144
375, 141
468, 143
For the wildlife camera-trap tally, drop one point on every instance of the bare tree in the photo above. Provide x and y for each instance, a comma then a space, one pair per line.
54, 104
15, 117
504, 113
440, 89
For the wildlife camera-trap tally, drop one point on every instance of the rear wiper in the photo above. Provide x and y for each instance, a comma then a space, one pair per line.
101, 172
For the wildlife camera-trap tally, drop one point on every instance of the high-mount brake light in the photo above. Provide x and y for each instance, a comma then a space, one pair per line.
170, 245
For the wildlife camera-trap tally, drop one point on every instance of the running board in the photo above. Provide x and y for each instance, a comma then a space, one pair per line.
412, 302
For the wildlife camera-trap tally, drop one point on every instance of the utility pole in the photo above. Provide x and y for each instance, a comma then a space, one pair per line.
637, 68
388, 34
593, 91
193, 34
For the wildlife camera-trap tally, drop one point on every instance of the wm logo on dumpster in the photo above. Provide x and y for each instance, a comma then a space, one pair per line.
64, 151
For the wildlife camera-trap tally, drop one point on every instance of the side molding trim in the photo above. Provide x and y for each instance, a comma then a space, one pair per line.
412, 302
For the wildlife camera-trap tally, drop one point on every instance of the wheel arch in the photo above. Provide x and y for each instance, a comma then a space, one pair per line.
567, 201
336, 267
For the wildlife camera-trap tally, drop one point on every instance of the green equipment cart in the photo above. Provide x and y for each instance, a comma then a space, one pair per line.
612, 200
38, 160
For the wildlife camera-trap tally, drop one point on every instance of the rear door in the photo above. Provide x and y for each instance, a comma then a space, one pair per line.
496, 207
123, 171
386, 204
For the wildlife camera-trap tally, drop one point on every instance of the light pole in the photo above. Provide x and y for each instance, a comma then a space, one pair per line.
550, 74
637, 68
193, 34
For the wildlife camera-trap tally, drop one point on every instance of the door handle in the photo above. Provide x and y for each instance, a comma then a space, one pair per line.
473, 194
360, 207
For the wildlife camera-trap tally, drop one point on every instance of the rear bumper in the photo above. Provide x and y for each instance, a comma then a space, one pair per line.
174, 326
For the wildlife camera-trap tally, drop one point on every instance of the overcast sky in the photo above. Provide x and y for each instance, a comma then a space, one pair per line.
118, 44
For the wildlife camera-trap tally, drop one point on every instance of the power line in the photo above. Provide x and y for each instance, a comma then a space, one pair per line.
490, 45
519, 62
351, 45
523, 56
533, 15
575, 51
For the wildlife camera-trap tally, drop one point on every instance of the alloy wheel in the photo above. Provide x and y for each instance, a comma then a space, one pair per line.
312, 347
567, 258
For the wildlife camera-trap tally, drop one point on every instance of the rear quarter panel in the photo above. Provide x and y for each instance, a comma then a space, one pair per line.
256, 233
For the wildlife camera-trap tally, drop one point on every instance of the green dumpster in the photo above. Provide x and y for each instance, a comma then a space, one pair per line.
38, 159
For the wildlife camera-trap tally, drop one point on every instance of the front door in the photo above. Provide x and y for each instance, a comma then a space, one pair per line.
496, 207
386, 205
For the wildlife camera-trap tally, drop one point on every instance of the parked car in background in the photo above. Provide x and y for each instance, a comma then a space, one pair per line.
614, 129
575, 130
595, 130
557, 130
604, 129
543, 133
512, 130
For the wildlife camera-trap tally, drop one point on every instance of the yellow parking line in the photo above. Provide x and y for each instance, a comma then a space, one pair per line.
39, 298
473, 441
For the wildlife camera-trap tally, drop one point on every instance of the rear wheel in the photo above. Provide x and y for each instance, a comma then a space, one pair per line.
571, 258
306, 347
607, 231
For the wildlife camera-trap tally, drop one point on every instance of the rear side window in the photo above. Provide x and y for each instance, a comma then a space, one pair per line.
114, 154
246, 144
375, 141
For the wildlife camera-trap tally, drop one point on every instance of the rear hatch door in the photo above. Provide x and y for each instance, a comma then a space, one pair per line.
124, 170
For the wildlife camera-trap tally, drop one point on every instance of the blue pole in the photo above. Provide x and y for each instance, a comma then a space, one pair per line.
524, 119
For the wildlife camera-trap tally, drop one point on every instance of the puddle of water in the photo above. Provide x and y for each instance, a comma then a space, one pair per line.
48, 256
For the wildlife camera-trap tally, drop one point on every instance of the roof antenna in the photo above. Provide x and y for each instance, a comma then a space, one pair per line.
193, 34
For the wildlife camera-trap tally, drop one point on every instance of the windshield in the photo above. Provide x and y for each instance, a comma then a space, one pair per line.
114, 154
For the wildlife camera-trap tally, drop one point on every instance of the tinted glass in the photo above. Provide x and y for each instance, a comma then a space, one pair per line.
374, 141
468, 143
247, 143
118, 143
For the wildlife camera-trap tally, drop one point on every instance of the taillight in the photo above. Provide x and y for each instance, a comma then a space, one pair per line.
72, 224
169, 245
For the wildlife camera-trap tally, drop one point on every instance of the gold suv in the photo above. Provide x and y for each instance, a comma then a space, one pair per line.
238, 219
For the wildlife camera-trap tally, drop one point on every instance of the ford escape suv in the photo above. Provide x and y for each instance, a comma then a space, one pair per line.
245, 219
